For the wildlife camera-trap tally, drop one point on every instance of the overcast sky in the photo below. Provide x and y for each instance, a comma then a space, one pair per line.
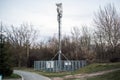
43, 15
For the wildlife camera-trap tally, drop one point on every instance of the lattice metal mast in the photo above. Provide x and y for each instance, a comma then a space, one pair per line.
59, 16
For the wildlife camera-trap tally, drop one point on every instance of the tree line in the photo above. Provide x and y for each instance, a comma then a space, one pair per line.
99, 45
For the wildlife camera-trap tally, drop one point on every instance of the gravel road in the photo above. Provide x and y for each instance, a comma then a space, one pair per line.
30, 76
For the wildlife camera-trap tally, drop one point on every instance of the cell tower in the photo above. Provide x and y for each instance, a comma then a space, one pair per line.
59, 16
59, 65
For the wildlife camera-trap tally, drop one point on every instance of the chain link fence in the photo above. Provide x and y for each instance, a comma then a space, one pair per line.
54, 66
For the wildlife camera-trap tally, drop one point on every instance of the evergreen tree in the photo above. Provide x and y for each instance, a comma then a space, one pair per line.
5, 62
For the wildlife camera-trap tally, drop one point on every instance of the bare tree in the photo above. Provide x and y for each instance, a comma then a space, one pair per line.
86, 46
21, 38
107, 23
85, 38
76, 40
82, 44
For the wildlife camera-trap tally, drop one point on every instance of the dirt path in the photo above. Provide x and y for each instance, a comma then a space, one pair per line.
85, 75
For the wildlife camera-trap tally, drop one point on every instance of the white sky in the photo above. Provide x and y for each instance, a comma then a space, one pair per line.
43, 14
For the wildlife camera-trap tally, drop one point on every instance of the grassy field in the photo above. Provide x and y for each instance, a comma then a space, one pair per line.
110, 76
48, 74
98, 67
88, 69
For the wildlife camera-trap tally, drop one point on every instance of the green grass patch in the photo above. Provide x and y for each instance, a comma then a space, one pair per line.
54, 74
13, 76
98, 67
44, 73
75, 79
110, 76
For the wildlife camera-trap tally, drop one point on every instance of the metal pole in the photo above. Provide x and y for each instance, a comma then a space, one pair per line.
59, 16
59, 57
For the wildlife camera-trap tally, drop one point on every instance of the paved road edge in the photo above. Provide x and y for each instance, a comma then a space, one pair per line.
20, 75
33, 72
